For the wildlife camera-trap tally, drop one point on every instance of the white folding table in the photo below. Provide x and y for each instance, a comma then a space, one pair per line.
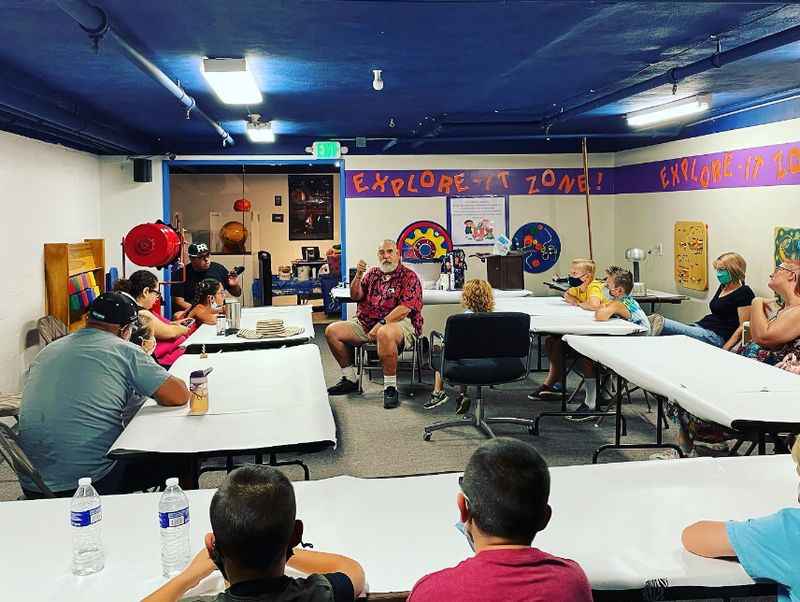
736, 392
263, 401
292, 315
652, 296
631, 548
437, 297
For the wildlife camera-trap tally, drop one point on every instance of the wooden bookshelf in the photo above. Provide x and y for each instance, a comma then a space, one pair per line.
63, 261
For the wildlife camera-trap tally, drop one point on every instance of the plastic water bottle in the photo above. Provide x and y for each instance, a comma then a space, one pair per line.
88, 554
173, 517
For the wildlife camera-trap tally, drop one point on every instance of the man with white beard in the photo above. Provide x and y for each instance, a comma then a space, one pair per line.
389, 312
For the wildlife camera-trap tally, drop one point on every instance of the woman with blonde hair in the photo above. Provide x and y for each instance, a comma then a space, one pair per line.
477, 297
730, 308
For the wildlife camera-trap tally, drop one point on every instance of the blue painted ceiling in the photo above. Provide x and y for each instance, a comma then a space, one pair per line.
469, 76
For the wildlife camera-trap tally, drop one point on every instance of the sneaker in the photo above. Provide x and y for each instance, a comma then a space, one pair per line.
582, 414
390, 398
343, 387
546, 392
437, 399
462, 404
656, 324
665, 455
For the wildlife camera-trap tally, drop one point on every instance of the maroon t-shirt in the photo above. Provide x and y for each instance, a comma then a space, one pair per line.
506, 575
384, 292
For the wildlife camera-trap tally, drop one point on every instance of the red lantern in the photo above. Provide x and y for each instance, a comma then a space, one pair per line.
152, 245
242, 205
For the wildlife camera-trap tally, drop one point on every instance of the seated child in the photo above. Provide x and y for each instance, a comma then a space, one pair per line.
502, 505
208, 301
620, 284
477, 297
254, 538
584, 292
765, 547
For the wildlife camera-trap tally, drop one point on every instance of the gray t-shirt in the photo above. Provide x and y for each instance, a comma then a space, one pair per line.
73, 402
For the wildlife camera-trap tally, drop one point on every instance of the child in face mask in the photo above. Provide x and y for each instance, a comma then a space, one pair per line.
620, 285
766, 547
584, 292
208, 302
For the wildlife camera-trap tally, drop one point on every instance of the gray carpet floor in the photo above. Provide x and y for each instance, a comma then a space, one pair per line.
373, 442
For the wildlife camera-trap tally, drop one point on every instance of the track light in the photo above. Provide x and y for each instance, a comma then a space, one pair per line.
377, 80
670, 111
231, 81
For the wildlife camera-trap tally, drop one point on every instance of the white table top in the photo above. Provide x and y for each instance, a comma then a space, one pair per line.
706, 381
257, 399
292, 315
630, 536
553, 315
437, 297
652, 294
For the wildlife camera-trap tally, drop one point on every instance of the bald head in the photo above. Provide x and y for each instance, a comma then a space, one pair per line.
388, 256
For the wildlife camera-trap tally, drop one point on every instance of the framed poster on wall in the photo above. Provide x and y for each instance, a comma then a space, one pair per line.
476, 220
310, 207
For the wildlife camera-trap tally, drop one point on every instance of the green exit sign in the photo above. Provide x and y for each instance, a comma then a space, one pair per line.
327, 149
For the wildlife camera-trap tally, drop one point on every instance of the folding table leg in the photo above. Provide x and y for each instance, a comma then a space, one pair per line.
273, 461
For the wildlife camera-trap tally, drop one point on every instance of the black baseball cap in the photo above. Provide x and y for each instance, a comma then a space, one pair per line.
198, 249
114, 308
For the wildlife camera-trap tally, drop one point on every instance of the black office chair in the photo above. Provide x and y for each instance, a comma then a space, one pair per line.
12, 453
482, 350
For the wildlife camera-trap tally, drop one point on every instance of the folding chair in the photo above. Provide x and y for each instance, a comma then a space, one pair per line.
12, 453
50, 329
367, 361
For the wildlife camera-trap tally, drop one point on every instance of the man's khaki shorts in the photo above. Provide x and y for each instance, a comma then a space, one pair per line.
409, 335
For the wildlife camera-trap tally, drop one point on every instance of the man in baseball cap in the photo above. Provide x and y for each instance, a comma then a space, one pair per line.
200, 268
73, 402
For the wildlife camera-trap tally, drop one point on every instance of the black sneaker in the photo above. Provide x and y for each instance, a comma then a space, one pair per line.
437, 399
462, 404
343, 387
390, 398
582, 413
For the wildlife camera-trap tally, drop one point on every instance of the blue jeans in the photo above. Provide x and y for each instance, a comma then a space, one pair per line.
692, 330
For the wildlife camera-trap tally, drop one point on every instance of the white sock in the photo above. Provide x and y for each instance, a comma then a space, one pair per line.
389, 381
349, 372
591, 392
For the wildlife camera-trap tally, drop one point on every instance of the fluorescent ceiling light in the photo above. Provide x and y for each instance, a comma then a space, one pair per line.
260, 132
670, 112
231, 81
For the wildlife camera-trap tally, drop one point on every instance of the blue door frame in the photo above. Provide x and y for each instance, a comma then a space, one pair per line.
167, 205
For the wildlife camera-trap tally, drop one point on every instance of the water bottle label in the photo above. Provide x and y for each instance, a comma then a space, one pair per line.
177, 518
87, 517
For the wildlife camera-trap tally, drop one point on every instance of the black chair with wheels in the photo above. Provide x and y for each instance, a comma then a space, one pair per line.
482, 350
12, 453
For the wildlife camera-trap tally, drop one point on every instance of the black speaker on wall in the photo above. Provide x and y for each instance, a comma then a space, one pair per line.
142, 170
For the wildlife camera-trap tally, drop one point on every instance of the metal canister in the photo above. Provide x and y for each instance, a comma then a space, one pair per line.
233, 313
222, 326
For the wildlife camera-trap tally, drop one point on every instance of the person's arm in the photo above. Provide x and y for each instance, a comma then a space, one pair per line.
204, 314
708, 538
172, 392
173, 590
356, 290
232, 285
736, 337
611, 309
570, 298
163, 331
592, 303
179, 303
781, 330
308, 562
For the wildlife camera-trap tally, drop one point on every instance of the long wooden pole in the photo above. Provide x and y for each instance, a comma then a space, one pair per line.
588, 199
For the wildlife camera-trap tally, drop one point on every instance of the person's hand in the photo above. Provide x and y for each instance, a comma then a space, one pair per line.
570, 299
199, 568
361, 267
233, 280
178, 315
372, 335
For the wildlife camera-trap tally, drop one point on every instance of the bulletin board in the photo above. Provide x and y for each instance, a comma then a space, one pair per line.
787, 244
691, 255
477, 220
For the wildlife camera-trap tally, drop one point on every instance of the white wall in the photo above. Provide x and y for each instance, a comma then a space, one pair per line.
51, 194
739, 219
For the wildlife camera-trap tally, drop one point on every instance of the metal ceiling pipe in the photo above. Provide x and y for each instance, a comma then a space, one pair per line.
94, 21
36, 107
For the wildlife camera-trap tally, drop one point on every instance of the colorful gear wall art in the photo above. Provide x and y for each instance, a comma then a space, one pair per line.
540, 244
424, 241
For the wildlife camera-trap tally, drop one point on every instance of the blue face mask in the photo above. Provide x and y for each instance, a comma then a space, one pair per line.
575, 282
462, 527
724, 277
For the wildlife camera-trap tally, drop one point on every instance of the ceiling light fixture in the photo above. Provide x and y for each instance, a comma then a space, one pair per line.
259, 131
377, 80
670, 111
231, 81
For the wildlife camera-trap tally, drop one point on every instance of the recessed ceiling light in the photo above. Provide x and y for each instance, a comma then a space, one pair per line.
231, 81
260, 131
670, 111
